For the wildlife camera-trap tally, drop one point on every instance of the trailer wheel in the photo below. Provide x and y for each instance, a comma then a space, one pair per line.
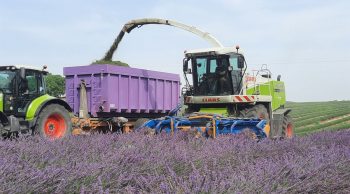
149, 131
54, 122
287, 127
139, 122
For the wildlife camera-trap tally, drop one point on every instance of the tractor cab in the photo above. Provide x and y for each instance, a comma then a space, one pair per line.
19, 85
215, 71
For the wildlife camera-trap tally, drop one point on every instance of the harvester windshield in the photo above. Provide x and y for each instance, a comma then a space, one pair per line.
212, 75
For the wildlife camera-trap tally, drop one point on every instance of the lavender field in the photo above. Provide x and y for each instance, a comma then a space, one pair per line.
135, 163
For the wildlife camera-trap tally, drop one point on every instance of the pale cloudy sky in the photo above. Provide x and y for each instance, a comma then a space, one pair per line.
306, 41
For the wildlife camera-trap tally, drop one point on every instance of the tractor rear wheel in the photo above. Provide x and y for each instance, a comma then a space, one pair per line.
54, 122
287, 127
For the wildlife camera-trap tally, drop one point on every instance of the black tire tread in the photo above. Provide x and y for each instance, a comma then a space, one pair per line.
286, 120
253, 112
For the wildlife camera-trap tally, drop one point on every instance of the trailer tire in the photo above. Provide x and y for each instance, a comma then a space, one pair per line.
139, 122
54, 122
287, 127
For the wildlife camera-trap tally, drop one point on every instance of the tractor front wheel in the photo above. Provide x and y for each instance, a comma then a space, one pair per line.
54, 122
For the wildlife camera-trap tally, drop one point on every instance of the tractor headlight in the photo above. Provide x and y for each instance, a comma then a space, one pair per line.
7, 100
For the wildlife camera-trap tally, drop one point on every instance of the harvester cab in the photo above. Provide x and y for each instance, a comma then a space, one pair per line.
215, 72
25, 107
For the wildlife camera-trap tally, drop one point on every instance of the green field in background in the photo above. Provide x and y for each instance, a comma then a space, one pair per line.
311, 117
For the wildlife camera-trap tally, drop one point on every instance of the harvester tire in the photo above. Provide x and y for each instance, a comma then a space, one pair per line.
287, 127
257, 111
54, 122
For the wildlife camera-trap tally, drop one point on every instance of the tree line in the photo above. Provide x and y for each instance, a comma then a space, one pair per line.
55, 85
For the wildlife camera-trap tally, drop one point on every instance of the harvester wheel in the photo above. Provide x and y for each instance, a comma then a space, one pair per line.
287, 128
257, 111
54, 122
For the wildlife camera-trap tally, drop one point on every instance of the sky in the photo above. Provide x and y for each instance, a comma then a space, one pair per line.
307, 42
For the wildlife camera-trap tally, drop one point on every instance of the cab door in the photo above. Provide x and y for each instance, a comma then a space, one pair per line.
30, 89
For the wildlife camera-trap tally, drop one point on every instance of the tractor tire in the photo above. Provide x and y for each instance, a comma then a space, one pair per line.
54, 122
258, 111
139, 122
287, 127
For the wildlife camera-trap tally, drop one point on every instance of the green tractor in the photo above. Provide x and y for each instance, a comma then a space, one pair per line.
25, 108
221, 85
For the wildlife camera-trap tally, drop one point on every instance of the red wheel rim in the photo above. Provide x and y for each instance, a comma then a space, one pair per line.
289, 131
55, 126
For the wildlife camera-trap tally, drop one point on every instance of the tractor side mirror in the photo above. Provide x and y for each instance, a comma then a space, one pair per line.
22, 73
23, 84
185, 65
279, 78
240, 62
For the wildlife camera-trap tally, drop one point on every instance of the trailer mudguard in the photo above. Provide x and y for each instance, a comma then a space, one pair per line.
41, 102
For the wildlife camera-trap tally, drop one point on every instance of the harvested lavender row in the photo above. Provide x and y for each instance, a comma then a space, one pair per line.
176, 164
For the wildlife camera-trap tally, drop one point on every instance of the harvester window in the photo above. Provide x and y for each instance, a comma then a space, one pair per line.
234, 62
201, 68
213, 65
212, 75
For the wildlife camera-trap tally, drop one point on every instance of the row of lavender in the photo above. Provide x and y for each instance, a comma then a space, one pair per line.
176, 164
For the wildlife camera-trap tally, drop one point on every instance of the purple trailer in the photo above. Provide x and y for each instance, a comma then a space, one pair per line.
122, 91
106, 94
